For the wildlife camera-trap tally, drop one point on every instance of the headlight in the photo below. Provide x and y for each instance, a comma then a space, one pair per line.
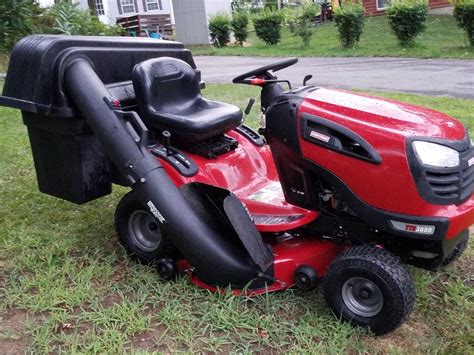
436, 154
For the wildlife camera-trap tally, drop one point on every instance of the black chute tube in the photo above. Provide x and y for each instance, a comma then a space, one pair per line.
216, 261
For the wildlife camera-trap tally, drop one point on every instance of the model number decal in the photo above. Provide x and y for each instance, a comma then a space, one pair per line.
155, 212
413, 228
319, 136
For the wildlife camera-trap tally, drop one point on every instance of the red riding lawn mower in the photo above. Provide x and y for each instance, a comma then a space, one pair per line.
336, 187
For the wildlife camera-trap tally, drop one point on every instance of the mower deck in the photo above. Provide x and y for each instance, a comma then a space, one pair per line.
290, 253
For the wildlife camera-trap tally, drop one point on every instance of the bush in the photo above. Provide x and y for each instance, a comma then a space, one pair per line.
219, 28
19, 18
268, 26
407, 19
349, 19
464, 14
15, 21
240, 21
271, 5
302, 22
68, 19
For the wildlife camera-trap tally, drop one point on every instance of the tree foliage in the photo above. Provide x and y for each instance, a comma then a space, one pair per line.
19, 18
302, 21
15, 21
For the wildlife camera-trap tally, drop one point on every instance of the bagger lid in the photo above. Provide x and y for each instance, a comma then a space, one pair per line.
34, 81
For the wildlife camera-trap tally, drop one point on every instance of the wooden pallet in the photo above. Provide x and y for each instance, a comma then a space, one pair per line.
160, 23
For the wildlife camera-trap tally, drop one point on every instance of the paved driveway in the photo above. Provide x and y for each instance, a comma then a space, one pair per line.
435, 77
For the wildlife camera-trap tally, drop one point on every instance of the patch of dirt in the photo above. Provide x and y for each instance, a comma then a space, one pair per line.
404, 337
149, 340
12, 339
111, 299
73, 325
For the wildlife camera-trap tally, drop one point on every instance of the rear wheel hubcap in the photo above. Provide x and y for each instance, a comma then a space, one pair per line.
144, 231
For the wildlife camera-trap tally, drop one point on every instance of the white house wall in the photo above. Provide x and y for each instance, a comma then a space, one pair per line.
190, 21
192, 16
214, 6
46, 3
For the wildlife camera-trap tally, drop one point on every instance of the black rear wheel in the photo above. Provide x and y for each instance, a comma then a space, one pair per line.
369, 287
139, 232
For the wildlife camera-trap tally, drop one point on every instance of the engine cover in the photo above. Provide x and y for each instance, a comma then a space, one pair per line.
364, 143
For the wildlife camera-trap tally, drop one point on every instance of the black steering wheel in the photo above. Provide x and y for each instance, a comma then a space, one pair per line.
282, 64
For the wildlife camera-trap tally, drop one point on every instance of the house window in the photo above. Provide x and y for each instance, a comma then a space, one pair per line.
99, 7
152, 5
127, 6
382, 4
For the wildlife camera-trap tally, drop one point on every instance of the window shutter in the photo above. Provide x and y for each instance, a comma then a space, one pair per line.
144, 5
136, 5
160, 5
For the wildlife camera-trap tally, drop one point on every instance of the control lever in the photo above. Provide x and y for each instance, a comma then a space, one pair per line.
249, 106
166, 142
306, 79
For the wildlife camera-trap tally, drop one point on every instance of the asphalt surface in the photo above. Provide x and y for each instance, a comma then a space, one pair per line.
434, 77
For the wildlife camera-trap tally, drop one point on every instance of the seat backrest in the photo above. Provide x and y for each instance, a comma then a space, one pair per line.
163, 83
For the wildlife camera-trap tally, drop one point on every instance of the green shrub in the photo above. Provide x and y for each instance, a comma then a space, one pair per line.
255, 10
464, 14
407, 18
271, 5
19, 18
240, 21
219, 28
68, 19
268, 26
349, 19
15, 21
301, 23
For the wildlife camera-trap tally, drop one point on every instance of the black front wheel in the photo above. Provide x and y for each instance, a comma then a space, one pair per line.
458, 250
139, 232
369, 287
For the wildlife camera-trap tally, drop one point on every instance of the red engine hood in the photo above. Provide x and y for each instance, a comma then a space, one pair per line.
388, 115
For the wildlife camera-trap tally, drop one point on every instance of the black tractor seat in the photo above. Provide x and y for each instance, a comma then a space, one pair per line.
168, 94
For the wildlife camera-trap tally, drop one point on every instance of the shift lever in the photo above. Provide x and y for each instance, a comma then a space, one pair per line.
166, 141
249, 106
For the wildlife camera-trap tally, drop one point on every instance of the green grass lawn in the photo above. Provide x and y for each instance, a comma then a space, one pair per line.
66, 284
442, 39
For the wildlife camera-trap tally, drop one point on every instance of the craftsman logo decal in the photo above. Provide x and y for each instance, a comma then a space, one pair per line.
470, 162
155, 212
319, 136
413, 228
410, 228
